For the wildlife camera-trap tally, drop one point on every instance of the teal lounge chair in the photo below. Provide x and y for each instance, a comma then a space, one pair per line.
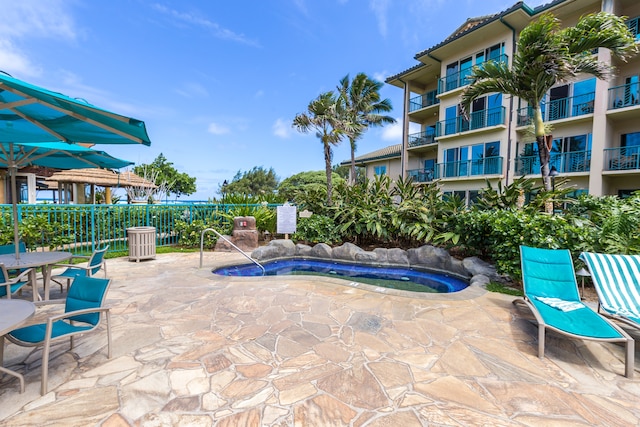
551, 292
94, 264
9, 286
617, 282
82, 314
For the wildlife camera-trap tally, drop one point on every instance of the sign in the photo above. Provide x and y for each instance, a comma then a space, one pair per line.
286, 219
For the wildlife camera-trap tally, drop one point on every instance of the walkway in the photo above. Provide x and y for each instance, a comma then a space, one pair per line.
192, 349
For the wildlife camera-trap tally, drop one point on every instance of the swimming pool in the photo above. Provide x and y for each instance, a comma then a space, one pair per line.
401, 278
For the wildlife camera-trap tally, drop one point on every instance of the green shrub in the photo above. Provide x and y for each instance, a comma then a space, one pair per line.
316, 229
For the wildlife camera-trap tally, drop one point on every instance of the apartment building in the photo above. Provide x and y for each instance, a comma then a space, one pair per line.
596, 123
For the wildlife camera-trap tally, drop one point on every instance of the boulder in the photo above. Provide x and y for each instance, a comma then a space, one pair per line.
366, 257
381, 254
280, 248
346, 252
322, 250
223, 246
397, 256
430, 257
475, 265
480, 280
247, 240
303, 250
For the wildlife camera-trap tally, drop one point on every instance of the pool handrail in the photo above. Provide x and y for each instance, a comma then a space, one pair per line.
246, 255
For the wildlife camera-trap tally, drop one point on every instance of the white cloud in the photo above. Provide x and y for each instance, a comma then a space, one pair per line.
192, 90
394, 132
379, 8
217, 129
195, 19
15, 62
282, 129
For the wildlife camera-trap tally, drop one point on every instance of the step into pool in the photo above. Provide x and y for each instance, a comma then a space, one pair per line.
401, 278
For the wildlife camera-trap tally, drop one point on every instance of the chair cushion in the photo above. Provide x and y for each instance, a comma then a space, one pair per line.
14, 288
72, 273
36, 333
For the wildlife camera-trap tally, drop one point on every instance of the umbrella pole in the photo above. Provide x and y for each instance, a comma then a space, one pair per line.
13, 170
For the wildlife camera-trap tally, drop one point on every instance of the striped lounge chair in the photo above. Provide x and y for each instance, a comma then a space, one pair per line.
617, 281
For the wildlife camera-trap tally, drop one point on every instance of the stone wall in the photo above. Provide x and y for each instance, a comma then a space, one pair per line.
475, 270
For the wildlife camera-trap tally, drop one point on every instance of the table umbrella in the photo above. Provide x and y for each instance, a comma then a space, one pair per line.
31, 114
59, 155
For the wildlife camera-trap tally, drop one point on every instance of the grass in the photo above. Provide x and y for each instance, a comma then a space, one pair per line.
502, 289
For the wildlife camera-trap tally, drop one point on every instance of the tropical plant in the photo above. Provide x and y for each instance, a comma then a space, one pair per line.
327, 116
546, 55
316, 229
361, 99
166, 177
255, 182
299, 188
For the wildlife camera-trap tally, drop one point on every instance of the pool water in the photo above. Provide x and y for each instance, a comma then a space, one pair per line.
401, 278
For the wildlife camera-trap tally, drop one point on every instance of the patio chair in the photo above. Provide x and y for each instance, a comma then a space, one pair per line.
82, 314
10, 249
617, 282
551, 293
9, 286
94, 264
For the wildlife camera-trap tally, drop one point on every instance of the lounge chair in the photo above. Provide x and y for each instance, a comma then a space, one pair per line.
9, 286
551, 292
617, 282
94, 264
82, 314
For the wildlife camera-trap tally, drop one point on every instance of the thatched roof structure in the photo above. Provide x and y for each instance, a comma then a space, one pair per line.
99, 177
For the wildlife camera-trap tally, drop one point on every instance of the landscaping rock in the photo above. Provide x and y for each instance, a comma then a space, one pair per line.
280, 248
480, 280
430, 257
346, 252
475, 266
397, 256
322, 250
303, 250
366, 257
381, 254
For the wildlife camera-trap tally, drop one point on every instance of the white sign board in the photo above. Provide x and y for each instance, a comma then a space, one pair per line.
286, 219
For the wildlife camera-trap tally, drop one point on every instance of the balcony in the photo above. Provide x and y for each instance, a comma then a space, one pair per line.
421, 175
634, 27
425, 100
622, 158
420, 139
455, 80
571, 162
478, 120
624, 96
560, 109
468, 168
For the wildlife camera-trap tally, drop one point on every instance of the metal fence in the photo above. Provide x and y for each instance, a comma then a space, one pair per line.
89, 226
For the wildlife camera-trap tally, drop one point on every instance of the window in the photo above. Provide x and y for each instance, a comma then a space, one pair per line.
568, 154
479, 159
458, 71
380, 170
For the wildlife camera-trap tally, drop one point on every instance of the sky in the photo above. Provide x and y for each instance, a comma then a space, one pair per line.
218, 83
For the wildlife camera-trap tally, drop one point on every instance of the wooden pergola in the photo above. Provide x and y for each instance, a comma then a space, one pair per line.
108, 179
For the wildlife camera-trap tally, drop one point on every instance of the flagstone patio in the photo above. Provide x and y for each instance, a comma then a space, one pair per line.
194, 349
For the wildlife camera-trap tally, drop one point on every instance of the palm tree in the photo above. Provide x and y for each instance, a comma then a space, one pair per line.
362, 103
326, 115
546, 55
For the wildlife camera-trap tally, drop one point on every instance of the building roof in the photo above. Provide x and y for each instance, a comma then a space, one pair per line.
381, 154
472, 24
100, 177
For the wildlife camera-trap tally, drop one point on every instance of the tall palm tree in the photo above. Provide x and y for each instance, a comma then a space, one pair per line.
362, 103
326, 115
546, 55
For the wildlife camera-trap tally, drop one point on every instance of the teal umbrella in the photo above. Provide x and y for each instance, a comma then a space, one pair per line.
31, 114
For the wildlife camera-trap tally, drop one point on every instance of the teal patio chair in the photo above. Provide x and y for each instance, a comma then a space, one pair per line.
617, 282
82, 314
94, 264
551, 293
9, 286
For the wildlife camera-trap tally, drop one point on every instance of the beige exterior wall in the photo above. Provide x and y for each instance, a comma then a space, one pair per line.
602, 174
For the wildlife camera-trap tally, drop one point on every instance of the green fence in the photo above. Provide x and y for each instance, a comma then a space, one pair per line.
89, 226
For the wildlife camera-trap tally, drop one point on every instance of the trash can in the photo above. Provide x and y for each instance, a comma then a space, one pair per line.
142, 243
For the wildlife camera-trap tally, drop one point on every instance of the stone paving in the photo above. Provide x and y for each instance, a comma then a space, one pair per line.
194, 349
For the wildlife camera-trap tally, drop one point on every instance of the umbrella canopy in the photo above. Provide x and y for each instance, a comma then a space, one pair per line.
31, 114
59, 155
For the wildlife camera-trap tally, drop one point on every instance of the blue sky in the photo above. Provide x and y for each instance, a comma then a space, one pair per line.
218, 83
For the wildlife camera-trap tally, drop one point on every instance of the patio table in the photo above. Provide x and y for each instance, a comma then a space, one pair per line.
13, 312
34, 260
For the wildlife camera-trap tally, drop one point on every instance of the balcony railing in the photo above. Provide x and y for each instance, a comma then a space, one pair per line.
634, 27
487, 166
425, 137
622, 158
624, 96
455, 80
574, 161
425, 100
421, 175
560, 109
478, 120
